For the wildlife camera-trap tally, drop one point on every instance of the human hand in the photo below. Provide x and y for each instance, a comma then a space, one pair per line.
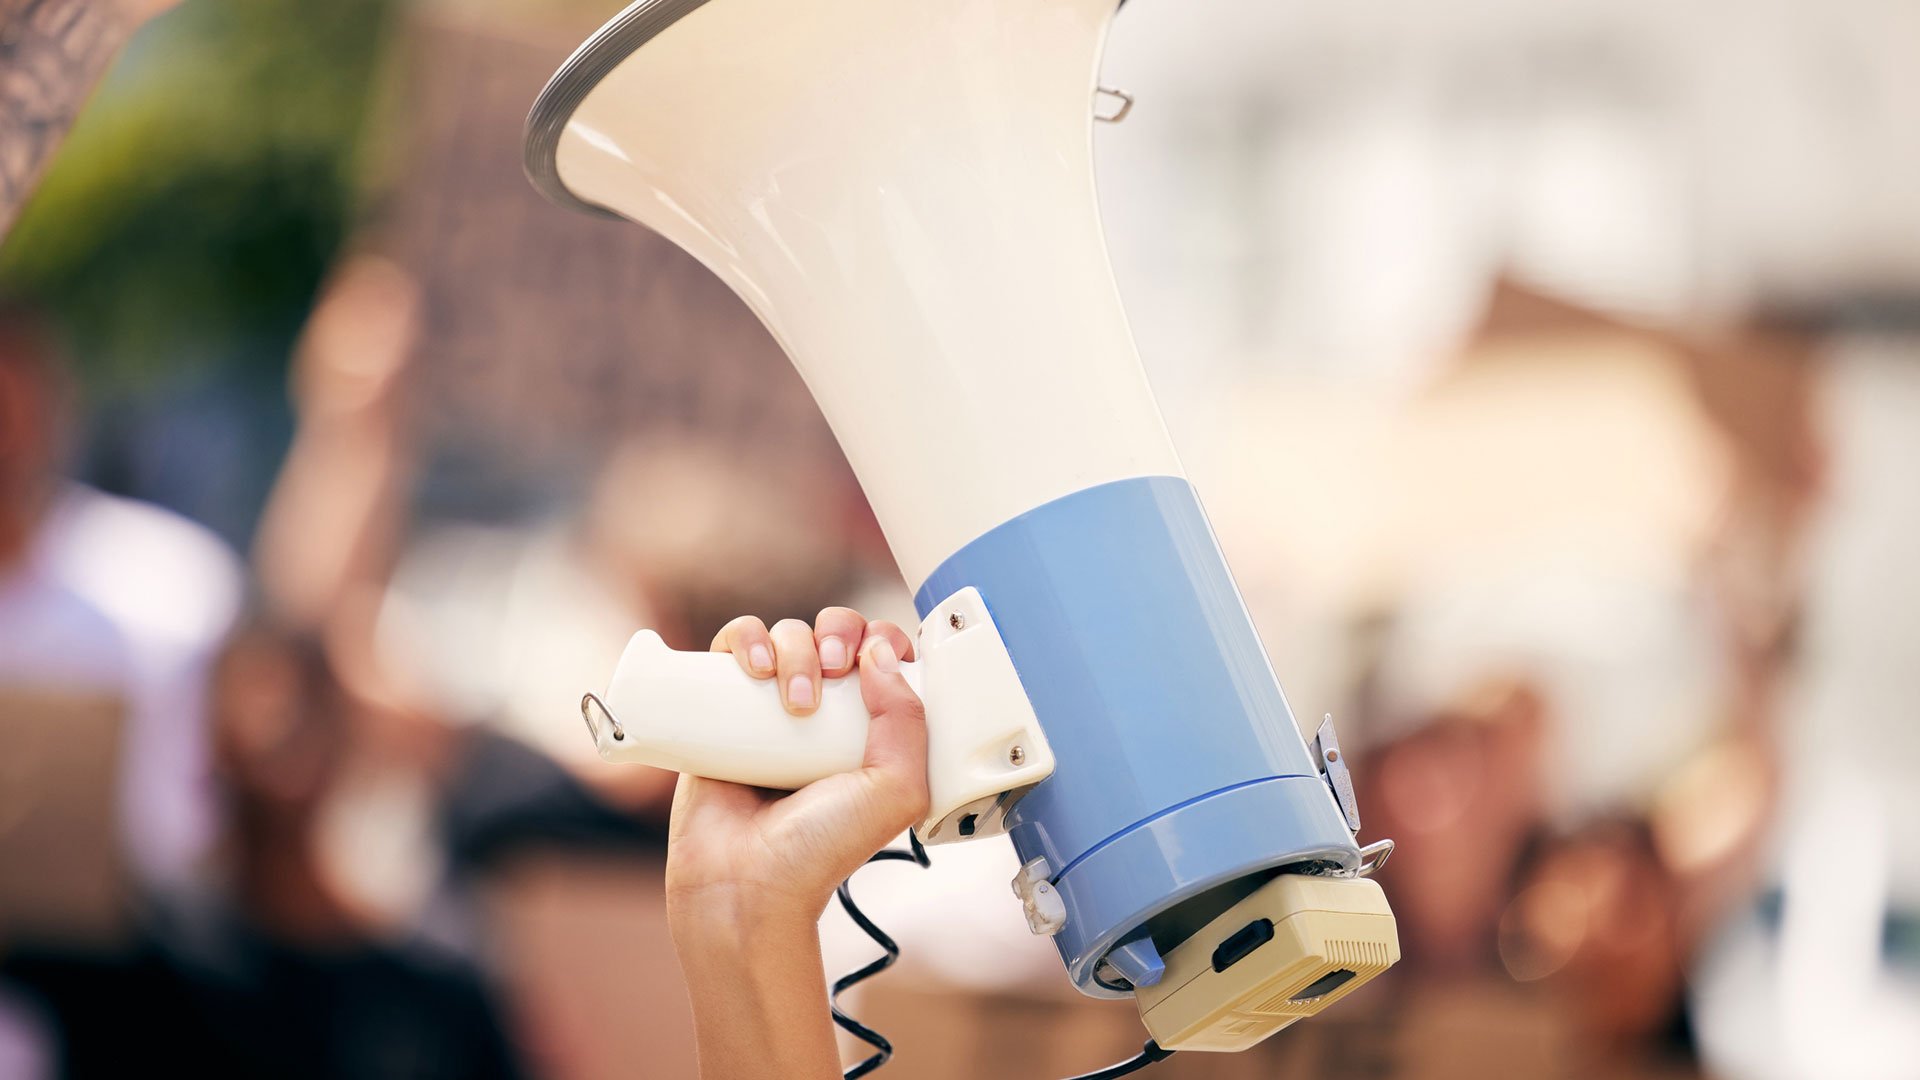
738, 853
357, 342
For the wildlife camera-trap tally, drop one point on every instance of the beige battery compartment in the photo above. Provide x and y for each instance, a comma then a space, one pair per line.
1294, 947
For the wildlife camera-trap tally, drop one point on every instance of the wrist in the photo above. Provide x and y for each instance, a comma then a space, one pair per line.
724, 916
758, 991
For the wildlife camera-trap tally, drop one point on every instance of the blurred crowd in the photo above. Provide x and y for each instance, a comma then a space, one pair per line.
1594, 541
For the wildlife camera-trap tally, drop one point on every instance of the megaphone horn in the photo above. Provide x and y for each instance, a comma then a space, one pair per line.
903, 191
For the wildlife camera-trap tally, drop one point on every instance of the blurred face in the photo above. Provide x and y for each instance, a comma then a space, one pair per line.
279, 723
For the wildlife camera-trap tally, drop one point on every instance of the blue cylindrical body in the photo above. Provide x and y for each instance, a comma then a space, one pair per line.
1178, 765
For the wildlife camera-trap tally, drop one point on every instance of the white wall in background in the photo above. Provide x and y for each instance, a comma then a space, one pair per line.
1326, 188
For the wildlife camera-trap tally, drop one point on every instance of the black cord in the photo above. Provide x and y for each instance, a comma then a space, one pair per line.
1148, 1054
917, 854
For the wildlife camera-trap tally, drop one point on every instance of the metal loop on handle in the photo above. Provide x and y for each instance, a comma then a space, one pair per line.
1118, 114
590, 704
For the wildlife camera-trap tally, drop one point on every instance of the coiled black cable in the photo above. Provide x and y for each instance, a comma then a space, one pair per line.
917, 854
883, 1050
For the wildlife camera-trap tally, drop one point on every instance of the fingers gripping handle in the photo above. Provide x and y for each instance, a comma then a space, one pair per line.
699, 713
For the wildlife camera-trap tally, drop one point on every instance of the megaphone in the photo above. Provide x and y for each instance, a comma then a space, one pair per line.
903, 192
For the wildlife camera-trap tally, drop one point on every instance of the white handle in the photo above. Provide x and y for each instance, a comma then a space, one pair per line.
697, 712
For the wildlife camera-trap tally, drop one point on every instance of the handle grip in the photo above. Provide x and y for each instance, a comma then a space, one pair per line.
699, 713
705, 716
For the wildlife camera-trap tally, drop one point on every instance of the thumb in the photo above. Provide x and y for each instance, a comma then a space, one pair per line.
897, 734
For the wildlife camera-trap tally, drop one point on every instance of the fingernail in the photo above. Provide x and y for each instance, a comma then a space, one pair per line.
833, 653
800, 691
881, 655
760, 658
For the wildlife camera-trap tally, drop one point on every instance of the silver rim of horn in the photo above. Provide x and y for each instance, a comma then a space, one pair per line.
637, 24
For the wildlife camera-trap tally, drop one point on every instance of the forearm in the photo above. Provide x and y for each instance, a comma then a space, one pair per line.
51, 54
332, 521
332, 525
759, 997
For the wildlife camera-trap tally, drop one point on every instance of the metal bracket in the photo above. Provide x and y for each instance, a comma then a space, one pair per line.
1333, 768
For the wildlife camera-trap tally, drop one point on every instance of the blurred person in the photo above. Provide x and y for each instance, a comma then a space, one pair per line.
505, 625
1460, 789
78, 613
1495, 901
86, 631
1575, 969
460, 776
322, 552
278, 972
468, 811
1491, 907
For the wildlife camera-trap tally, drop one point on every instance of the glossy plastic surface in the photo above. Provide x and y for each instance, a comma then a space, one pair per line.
1177, 763
903, 192
697, 712
1314, 941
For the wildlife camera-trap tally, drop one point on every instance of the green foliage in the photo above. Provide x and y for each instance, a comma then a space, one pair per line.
206, 187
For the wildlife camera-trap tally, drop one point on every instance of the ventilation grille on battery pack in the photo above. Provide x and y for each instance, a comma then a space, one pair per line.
1364, 958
